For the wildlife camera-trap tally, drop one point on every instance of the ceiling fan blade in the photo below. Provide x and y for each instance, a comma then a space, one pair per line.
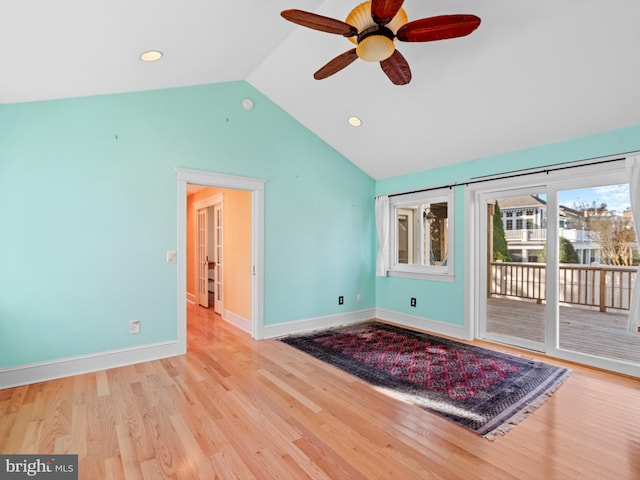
383, 11
319, 22
337, 64
438, 28
397, 69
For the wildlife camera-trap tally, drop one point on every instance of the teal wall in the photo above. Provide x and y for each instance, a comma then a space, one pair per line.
88, 208
88, 199
445, 301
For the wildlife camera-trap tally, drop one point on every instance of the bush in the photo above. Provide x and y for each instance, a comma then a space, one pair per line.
568, 254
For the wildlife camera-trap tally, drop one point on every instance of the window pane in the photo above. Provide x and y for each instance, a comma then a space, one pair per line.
436, 234
404, 234
422, 234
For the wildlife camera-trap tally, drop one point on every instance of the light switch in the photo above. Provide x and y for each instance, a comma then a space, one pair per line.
171, 256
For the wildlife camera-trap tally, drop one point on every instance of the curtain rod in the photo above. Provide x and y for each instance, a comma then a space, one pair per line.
513, 174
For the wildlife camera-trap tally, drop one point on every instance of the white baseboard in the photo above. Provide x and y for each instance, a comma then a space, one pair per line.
421, 323
237, 321
316, 323
191, 298
66, 367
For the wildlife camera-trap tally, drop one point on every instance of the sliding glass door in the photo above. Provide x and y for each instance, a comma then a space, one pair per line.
554, 262
598, 260
514, 298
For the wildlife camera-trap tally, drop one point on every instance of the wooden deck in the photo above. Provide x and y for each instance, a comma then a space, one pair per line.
581, 330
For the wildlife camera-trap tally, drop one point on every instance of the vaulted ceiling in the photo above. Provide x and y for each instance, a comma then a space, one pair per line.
533, 73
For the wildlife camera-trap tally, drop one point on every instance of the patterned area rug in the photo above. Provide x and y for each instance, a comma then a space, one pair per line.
485, 391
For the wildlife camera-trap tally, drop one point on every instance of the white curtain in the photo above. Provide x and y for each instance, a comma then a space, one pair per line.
382, 226
633, 171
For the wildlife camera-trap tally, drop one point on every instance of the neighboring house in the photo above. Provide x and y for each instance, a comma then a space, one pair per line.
525, 228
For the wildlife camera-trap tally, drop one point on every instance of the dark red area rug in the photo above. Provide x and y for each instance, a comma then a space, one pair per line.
485, 391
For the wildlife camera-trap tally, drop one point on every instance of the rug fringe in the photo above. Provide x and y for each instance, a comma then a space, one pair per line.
527, 410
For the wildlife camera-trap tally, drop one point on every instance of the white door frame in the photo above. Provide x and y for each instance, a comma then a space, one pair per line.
481, 327
211, 179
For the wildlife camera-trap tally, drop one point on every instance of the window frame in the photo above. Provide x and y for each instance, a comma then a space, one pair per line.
444, 273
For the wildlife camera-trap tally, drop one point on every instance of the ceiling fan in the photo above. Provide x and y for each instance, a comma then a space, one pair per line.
373, 26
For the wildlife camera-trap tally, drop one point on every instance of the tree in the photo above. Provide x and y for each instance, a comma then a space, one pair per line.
614, 235
500, 249
568, 254
612, 232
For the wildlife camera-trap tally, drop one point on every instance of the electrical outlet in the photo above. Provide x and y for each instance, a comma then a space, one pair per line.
340, 300
413, 301
134, 327
358, 298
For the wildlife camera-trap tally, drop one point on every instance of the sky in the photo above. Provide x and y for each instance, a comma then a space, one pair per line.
615, 196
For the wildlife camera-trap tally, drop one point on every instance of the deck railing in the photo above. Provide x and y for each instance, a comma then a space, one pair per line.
601, 286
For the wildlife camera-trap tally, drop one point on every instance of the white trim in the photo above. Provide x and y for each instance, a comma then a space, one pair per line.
222, 180
472, 272
209, 201
424, 324
237, 321
191, 298
66, 367
435, 277
416, 270
401, 319
317, 323
257, 247
211, 179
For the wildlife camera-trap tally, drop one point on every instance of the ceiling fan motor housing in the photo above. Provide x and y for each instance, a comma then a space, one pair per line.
374, 42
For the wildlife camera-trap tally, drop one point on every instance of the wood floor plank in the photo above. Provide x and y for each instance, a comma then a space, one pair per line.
244, 409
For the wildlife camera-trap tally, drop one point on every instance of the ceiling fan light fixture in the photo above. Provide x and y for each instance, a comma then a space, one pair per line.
151, 56
375, 48
360, 17
399, 20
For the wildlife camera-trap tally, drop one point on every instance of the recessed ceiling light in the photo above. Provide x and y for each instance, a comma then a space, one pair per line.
151, 56
354, 121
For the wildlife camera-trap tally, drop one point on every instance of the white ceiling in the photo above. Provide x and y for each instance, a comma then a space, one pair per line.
535, 71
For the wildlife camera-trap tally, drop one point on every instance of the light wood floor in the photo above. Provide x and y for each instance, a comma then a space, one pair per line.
237, 408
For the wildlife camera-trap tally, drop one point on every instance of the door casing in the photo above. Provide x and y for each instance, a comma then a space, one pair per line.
211, 179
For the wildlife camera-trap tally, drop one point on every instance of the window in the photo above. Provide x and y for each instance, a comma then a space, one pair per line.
421, 242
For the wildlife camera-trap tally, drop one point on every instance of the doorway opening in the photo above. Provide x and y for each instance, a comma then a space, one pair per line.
252, 190
205, 249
